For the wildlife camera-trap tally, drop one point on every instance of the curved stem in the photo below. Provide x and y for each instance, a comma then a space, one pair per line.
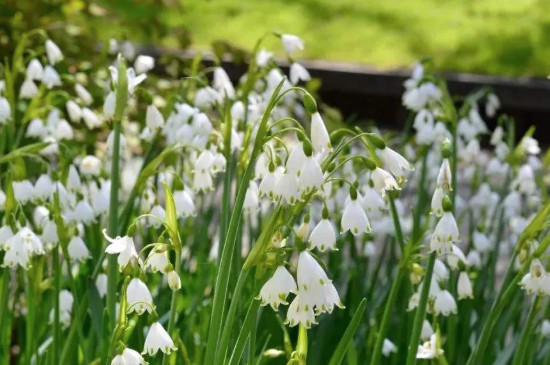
521, 350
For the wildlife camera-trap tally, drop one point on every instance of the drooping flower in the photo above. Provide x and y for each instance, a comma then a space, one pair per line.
323, 236
429, 349
300, 312
464, 286
320, 139
123, 246
158, 339
445, 233
537, 280
395, 163
383, 181
291, 43
388, 347
144, 64
53, 52
444, 303
77, 249
275, 291
139, 297
355, 219
129, 357
21, 247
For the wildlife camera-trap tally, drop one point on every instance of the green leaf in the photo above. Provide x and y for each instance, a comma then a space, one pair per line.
344, 343
20, 152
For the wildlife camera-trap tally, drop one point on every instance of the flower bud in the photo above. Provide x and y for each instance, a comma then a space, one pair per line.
309, 103
174, 281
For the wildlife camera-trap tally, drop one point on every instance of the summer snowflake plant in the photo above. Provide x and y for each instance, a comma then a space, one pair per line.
198, 220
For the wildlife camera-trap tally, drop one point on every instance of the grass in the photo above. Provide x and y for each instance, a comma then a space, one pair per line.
487, 36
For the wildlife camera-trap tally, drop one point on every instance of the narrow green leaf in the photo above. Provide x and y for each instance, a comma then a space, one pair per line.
344, 343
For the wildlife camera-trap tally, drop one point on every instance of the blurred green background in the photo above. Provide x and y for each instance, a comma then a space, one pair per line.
508, 37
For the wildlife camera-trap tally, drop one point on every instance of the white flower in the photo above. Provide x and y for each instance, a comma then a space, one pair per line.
53, 52
109, 105
158, 339
529, 145
292, 43
90, 165
5, 110
437, 201
492, 105
298, 73
129, 357
388, 347
427, 330
287, 188
35, 71
395, 163
28, 89
132, 79
23, 191
444, 303
373, 202
445, 233
124, 246
222, 83
311, 176
464, 286
444, 176
44, 187
66, 301
537, 280
355, 219
101, 284
153, 118
251, 198
77, 249
300, 312
473, 259
545, 328
430, 349
5, 234
320, 139
314, 287
91, 119
158, 212
481, 242
174, 281
296, 158
206, 97
82, 213
36, 128
139, 297
383, 181
263, 57
144, 64
83, 94
184, 203
455, 255
21, 247
269, 185
51, 77
157, 261
323, 236
49, 234
275, 291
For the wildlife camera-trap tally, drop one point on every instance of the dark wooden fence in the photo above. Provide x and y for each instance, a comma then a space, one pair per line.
362, 92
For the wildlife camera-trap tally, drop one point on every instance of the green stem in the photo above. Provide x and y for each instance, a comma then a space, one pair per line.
57, 288
301, 346
386, 317
421, 311
526, 333
222, 278
30, 319
173, 302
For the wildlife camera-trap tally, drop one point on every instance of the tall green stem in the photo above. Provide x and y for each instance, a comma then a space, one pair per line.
521, 350
222, 278
112, 271
386, 317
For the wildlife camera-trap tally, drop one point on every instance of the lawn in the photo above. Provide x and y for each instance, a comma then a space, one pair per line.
489, 36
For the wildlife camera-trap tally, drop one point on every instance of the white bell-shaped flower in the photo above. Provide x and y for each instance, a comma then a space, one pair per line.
464, 286
129, 357
537, 280
21, 247
28, 89
153, 118
444, 176
388, 347
275, 291
23, 191
5, 110
445, 233
300, 312
123, 246
383, 181
311, 176
35, 70
91, 119
158, 339
437, 201
74, 111
83, 94
101, 284
5, 234
287, 188
53, 52
44, 187
298, 73
269, 185
444, 303
323, 236
77, 249
139, 297
173, 279
291, 43
157, 261
184, 203
355, 219
36, 128
320, 138
395, 163
90, 165
51, 77
429, 349
144, 64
